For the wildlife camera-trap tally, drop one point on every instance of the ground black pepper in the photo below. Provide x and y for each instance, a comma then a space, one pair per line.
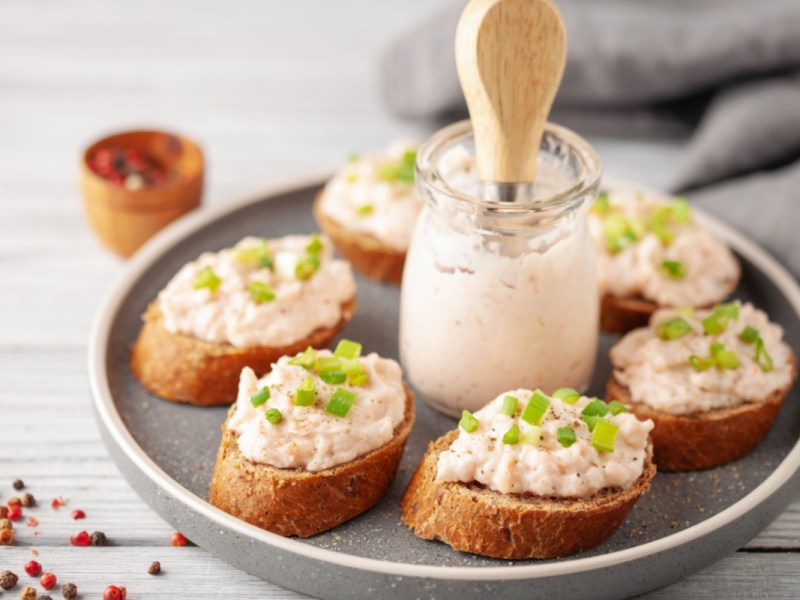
155, 568
18, 484
69, 591
8, 580
98, 539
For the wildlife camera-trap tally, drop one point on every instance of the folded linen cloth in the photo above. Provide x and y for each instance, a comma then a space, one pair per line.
725, 74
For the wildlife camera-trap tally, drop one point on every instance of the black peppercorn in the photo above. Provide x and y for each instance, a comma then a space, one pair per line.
28, 500
155, 568
8, 580
98, 538
44, 598
69, 591
18, 484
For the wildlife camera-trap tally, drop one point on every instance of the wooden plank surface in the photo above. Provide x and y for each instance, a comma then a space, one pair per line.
272, 90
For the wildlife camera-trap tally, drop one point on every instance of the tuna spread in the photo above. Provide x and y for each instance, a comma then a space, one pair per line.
651, 248
501, 447
376, 196
695, 361
259, 293
272, 429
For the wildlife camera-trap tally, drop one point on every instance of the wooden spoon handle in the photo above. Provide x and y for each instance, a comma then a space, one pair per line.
510, 56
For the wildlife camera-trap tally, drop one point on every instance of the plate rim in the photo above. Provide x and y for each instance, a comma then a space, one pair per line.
175, 232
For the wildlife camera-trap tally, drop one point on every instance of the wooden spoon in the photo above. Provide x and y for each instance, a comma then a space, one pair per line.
510, 56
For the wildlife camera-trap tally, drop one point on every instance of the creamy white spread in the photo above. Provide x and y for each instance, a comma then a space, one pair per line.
481, 315
229, 314
362, 201
710, 269
658, 372
546, 469
308, 437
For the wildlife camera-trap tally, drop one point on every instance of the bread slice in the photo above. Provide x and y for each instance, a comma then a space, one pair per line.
185, 369
366, 253
621, 315
295, 502
472, 518
707, 439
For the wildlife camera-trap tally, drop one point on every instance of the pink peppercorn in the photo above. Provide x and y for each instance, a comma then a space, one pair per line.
81, 539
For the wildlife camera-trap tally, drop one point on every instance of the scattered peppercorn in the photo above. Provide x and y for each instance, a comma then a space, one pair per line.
15, 512
3, 512
98, 538
155, 568
18, 484
129, 167
27, 593
6, 524
80, 539
78, 514
69, 591
28, 500
48, 580
57, 502
178, 539
32, 522
14, 501
6, 537
114, 592
33, 568
8, 579
45, 597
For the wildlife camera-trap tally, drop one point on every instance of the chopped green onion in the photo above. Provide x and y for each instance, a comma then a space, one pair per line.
713, 325
537, 406
681, 210
674, 268
348, 349
602, 205
307, 360
509, 405
604, 435
616, 407
399, 170
389, 172
315, 246
365, 209
698, 363
260, 397
468, 422
273, 415
567, 395
727, 359
749, 335
206, 278
329, 363
351, 178
715, 348
305, 394
353, 157
620, 232
530, 434
763, 359
729, 310
356, 375
341, 402
333, 377
511, 436
255, 255
592, 420
566, 436
673, 329
260, 292
595, 408
306, 267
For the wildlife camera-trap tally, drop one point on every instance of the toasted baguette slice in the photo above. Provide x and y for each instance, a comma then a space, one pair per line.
366, 253
295, 502
185, 369
707, 439
472, 518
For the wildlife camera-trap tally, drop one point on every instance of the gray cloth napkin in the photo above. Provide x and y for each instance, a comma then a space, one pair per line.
724, 74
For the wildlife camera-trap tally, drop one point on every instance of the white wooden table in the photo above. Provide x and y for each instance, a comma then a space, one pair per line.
272, 90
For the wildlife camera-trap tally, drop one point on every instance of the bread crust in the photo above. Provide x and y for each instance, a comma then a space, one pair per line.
472, 518
295, 502
366, 253
707, 439
182, 368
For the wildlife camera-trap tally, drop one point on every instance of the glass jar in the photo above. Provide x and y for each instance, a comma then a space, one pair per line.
498, 296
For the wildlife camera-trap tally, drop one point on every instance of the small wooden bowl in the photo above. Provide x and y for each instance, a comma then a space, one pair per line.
124, 219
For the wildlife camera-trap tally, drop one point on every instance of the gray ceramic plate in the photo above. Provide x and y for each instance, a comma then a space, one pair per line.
166, 451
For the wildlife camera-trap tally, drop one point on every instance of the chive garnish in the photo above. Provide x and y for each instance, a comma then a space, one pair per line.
511, 436
674, 269
356, 375
206, 278
567, 395
341, 402
365, 209
329, 363
763, 359
273, 415
509, 405
616, 407
749, 335
399, 170
468, 422
315, 246
530, 435
306, 266
305, 394
727, 359
604, 435
353, 157
592, 420
255, 255
713, 325
673, 329
595, 408
307, 360
681, 210
602, 205
536, 408
729, 310
333, 377
260, 397
260, 292
566, 436
698, 363
348, 349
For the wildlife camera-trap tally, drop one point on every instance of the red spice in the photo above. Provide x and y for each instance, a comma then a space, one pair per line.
14, 502
48, 580
33, 568
57, 502
78, 514
6, 537
15, 512
178, 539
80, 539
3, 512
114, 592
130, 168
32, 522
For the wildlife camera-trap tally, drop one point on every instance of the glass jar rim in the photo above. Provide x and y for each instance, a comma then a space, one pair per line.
591, 170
